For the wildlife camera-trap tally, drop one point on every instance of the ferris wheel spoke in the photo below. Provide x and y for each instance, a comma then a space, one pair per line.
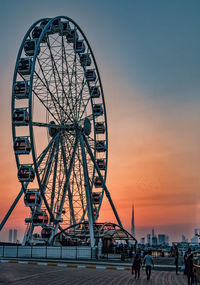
68, 175
87, 190
47, 172
78, 189
60, 183
91, 142
89, 117
83, 215
42, 155
81, 175
54, 76
73, 198
84, 109
54, 174
90, 139
46, 72
45, 62
54, 100
76, 179
42, 182
62, 69
80, 97
70, 82
69, 141
56, 86
80, 182
54, 66
54, 126
81, 179
45, 106
75, 73
68, 77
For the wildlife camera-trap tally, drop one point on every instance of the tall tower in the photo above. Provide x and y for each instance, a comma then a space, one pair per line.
15, 236
133, 222
10, 235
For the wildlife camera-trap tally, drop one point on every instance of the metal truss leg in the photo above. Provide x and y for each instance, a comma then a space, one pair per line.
88, 192
23, 190
102, 180
11, 209
66, 186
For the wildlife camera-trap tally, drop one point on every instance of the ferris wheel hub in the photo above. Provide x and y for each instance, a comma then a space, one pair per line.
52, 130
87, 126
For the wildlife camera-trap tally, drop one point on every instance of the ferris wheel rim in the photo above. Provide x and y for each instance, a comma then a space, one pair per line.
14, 80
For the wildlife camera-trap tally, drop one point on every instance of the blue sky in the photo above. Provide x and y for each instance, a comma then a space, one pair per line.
152, 44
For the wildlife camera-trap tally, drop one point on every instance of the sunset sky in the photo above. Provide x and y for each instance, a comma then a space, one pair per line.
148, 54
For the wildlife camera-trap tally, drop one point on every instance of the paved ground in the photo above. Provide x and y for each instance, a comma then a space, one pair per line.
163, 264
26, 274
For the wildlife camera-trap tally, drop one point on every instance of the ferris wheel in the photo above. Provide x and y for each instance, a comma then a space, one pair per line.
59, 128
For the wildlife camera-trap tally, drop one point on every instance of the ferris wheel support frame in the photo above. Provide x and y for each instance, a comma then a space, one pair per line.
88, 193
22, 190
11, 208
66, 188
102, 180
82, 143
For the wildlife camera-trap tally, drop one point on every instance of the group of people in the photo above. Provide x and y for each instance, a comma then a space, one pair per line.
137, 264
188, 267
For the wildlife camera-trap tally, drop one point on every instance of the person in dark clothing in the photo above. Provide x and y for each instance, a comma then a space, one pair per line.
185, 258
137, 265
176, 255
189, 269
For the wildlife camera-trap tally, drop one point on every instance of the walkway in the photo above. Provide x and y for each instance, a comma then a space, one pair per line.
30, 274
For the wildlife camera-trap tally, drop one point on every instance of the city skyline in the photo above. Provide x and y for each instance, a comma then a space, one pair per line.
148, 57
13, 235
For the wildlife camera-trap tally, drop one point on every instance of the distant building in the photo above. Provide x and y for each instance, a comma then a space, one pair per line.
184, 239
15, 236
142, 240
148, 239
154, 241
10, 235
195, 239
196, 231
163, 239
133, 222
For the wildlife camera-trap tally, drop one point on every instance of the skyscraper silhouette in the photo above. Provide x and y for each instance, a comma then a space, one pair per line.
15, 236
133, 222
10, 235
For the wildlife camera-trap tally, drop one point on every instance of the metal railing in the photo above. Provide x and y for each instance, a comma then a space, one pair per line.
45, 252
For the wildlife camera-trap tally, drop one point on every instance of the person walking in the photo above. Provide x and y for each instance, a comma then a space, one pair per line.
176, 255
136, 266
189, 269
148, 261
187, 253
